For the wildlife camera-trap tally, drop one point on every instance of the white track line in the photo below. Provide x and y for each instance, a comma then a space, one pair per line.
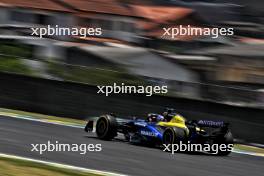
248, 153
79, 126
37, 120
64, 166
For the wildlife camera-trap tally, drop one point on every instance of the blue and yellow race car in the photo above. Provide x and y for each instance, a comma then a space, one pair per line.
163, 130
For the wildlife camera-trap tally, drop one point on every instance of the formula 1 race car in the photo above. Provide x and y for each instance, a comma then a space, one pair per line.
162, 130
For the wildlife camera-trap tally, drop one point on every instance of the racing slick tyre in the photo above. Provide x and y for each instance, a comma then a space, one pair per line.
227, 140
173, 135
106, 127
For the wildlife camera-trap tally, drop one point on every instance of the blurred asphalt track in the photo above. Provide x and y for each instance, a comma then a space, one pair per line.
16, 135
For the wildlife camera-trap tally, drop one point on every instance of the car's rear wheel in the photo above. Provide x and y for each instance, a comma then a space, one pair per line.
228, 141
106, 127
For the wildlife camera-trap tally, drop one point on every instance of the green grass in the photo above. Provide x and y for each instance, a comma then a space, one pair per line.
249, 148
11, 55
13, 65
91, 75
15, 49
10, 58
17, 167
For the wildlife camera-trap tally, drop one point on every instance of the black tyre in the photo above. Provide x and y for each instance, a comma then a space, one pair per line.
106, 127
173, 135
227, 140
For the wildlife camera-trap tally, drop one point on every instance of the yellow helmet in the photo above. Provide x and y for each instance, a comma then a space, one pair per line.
177, 118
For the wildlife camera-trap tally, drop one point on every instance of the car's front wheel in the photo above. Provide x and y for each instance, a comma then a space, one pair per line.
173, 135
106, 127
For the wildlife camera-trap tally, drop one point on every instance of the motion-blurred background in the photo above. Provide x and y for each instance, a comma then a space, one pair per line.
227, 69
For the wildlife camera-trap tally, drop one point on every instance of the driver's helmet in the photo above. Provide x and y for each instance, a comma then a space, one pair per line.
155, 117
179, 119
168, 114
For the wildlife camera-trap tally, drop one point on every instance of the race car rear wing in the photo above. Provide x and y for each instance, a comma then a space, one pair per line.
212, 124
213, 128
